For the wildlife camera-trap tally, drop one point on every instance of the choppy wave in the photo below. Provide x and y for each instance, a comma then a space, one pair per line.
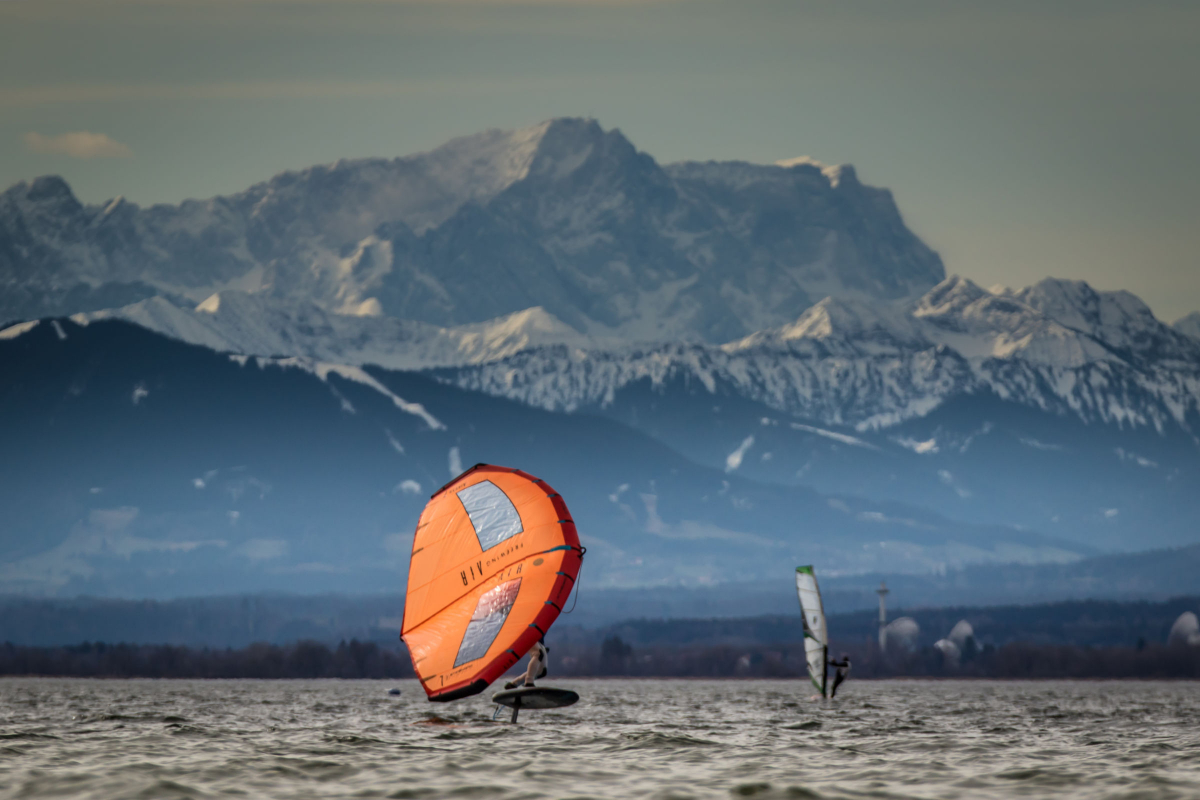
624, 739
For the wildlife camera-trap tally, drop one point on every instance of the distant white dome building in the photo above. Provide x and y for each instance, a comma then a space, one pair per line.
1186, 630
900, 635
950, 651
960, 633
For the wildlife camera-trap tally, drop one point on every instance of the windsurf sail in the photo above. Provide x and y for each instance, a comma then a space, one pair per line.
816, 635
494, 558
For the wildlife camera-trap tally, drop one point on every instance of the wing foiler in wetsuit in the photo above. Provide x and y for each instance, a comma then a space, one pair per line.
843, 669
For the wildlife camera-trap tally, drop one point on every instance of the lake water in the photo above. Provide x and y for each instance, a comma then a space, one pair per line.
624, 739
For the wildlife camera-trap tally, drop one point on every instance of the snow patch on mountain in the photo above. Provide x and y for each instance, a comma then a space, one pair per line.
924, 447
356, 374
834, 435
13, 331
734, 459
1141, 461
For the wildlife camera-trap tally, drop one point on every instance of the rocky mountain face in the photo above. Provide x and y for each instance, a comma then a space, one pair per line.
564, 215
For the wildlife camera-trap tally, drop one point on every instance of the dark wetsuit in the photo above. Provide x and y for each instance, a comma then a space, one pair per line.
843, 668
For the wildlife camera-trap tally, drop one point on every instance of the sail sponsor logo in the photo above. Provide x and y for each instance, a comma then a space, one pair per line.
474, 575
450, 675
504, 556
475, 571
508, 551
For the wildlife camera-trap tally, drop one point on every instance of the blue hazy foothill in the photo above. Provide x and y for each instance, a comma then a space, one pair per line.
194, 473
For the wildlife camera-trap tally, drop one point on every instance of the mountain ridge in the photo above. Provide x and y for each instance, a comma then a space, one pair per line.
563, 215
891, 367
1058, 345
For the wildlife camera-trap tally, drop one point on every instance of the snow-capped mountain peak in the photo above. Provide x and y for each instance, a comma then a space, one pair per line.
1077, 305
843, 326
981, 324
479, 167
836, 174
1118, 320
831, 317
500, 338
212, 305
532, 327
949, 298
1188, 325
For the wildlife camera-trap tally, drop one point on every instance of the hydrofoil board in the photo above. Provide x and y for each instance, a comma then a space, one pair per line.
535, 697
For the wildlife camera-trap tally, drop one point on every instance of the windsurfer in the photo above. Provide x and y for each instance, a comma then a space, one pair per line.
537, 666
843, 669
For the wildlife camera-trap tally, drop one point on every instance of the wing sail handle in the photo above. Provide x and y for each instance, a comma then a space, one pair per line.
494, 558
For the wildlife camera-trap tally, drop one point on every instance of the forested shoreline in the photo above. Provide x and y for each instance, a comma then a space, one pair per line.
612, 658
241, 621
303, 659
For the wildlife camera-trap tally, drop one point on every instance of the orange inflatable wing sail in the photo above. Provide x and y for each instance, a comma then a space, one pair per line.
494, 558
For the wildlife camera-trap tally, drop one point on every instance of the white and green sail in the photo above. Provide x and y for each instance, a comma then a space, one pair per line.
816, 635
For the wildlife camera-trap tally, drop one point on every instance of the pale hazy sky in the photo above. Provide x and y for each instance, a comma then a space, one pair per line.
1021, 139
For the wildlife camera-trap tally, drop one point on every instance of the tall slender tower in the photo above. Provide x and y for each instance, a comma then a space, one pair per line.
882, 591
